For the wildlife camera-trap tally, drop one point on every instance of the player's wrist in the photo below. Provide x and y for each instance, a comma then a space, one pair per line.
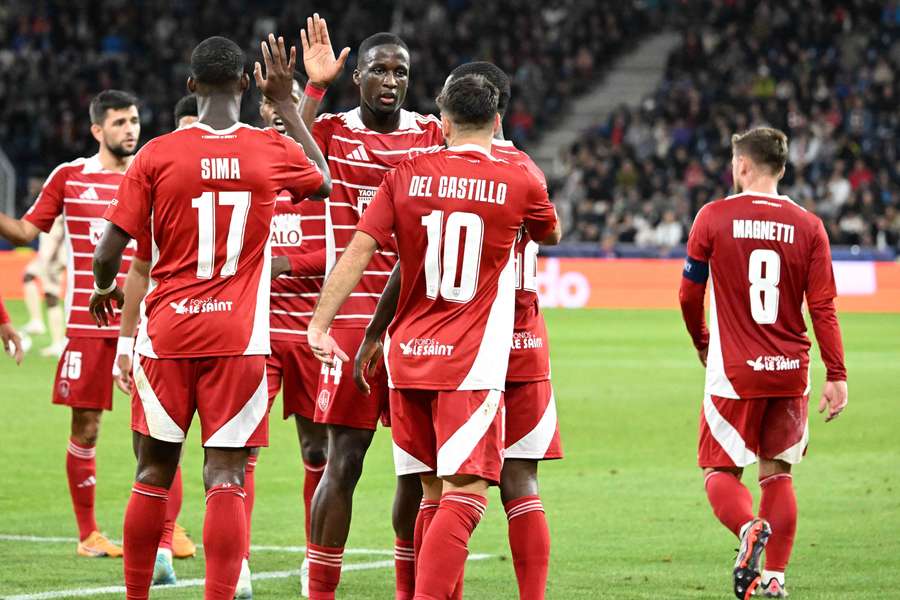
125, 345
316, 90
105, 291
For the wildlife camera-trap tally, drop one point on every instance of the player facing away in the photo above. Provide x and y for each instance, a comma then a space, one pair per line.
47, 267
174, 541
362, 145
456, 214
206, 196
532, 428
9, 337
81, 190
764, 255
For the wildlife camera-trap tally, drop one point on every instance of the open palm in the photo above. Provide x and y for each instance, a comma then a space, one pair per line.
321, 66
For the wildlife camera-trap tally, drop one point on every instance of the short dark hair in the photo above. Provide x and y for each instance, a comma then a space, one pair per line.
382, 38
186, 107
109, 100
217, 61
469, 101
764, 146
492, 73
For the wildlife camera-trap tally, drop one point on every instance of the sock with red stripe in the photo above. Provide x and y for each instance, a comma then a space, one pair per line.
312, 476
224, 539
446, 544
730, 500
173, 507
324, 570
250, 491
427, 508
529, 541
404, 569
144, 517
81, 471
778, 506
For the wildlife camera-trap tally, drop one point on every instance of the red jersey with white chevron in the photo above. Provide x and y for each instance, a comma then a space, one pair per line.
529, 357
208, 196
456, 214
80, 190
359, 158
297, 228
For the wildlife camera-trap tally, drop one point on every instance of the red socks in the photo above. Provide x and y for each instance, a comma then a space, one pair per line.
143, 526
405, 569
250, 491
224, 540
173, 507
81, 471
324, 570
778, 506
529, 540
730, 500
427, 508
312, 475
445, 548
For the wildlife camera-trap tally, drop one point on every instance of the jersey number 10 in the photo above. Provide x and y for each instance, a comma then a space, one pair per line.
443, 272
764, 273
206, 230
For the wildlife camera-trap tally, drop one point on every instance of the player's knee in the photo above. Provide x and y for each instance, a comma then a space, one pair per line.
86, 428
52, 300
313, 451
27, 278
769, 467
518, 478
347, 465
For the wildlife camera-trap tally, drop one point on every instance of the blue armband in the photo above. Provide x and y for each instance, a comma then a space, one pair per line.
696, 271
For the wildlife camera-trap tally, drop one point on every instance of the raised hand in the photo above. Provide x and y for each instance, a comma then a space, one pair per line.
278, 80
321, 66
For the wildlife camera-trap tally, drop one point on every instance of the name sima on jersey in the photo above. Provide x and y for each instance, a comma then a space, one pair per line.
220, 168
772, 231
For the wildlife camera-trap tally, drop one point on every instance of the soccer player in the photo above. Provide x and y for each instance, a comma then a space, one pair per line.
186, 111
48, 267
81, 190
206, 195
532, 429
764, 254
456, 214
362, 146
9, 336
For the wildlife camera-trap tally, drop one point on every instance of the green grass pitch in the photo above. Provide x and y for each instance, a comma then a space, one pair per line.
626, 507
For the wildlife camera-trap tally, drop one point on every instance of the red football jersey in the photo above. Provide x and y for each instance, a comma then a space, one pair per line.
208, 197
80, 190
765, 253
297, 229
358, 159
529, 357
456, 214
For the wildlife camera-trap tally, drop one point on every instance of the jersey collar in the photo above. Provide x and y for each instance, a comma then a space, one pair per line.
205, 127
470, 148
353, 119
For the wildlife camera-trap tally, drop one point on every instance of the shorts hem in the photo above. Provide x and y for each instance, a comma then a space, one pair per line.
355, 425
288, 414
412, 471
83, 405
248, 444
165, 438
490, 480
533, 456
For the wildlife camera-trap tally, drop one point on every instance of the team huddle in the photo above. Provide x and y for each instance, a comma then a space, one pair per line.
379, 265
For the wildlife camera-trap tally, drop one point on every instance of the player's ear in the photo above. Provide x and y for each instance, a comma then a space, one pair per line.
191, 85
446, 127
498, 123
97, 132
245, 82
780, 174
357, 76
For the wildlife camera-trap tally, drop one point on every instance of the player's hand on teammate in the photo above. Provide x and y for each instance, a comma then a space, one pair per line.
321, 66
367, 359
280, 266
324, 347
277, 82
703, 354
101, 306
834, 398
12, 342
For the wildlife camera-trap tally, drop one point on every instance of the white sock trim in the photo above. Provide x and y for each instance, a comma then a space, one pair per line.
768, 576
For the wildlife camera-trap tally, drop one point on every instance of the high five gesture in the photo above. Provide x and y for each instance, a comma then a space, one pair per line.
321, 66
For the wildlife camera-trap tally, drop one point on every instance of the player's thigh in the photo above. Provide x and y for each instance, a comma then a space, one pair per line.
274, 371
232, 401
469, 430
163, 398
412, 431
301, 381
729, 432
785, 429
532, 425
338, 401
84, 374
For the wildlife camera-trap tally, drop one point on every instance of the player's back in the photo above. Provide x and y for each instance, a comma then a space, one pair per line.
761, 250
456, 214
211, 197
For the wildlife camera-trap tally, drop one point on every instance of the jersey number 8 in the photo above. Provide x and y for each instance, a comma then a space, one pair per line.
764, 274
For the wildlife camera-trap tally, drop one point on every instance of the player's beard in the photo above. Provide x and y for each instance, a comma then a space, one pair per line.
119, 151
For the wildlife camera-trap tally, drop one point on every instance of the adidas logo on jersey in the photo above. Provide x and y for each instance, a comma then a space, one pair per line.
89, 194
774, 363
425, 347
359, 154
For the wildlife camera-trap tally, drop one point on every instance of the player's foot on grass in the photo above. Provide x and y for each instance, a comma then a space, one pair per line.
163, 571
53, 350
35, 328
773, 589
182, 546
304, 578
746, 567
96, 545
244, 589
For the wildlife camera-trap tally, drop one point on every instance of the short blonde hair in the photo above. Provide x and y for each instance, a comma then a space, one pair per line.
764, 146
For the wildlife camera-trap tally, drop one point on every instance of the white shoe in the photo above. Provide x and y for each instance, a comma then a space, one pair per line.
244, 589
35, 328
304, 578
54, 350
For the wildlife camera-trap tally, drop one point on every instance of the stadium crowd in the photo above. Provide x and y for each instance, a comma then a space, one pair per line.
829, 77
56, 55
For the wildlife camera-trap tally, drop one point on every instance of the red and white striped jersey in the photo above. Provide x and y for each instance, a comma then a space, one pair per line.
297, 230
80, 191
359, 158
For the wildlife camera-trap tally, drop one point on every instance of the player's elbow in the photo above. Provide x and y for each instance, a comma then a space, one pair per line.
324, 190
553, 238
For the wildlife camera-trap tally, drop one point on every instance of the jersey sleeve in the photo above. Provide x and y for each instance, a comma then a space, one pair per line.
540, 216
143, 251
378, 220
322, 131
820, 294
49, 203
299, 176
130, 209
699, 246
308, 264
4, 316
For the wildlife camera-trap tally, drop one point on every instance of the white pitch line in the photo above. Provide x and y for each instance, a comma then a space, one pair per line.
184, 583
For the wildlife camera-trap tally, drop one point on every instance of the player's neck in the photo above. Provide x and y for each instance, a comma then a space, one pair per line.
762, 185
479, 139
112, 162
380, 122
219, 111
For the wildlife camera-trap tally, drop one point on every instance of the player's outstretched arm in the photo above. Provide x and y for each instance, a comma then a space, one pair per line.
107, 260
17, 231
371, 349
9, 337
136, 283
322, 68
344, 277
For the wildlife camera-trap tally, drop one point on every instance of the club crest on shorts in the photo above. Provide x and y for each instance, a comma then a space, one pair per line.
323, 399
63, 388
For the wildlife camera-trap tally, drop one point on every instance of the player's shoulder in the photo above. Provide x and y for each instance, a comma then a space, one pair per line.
65, 169
415, 120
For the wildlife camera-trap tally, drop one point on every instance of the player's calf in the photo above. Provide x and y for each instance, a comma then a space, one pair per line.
529, 535
225, 524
